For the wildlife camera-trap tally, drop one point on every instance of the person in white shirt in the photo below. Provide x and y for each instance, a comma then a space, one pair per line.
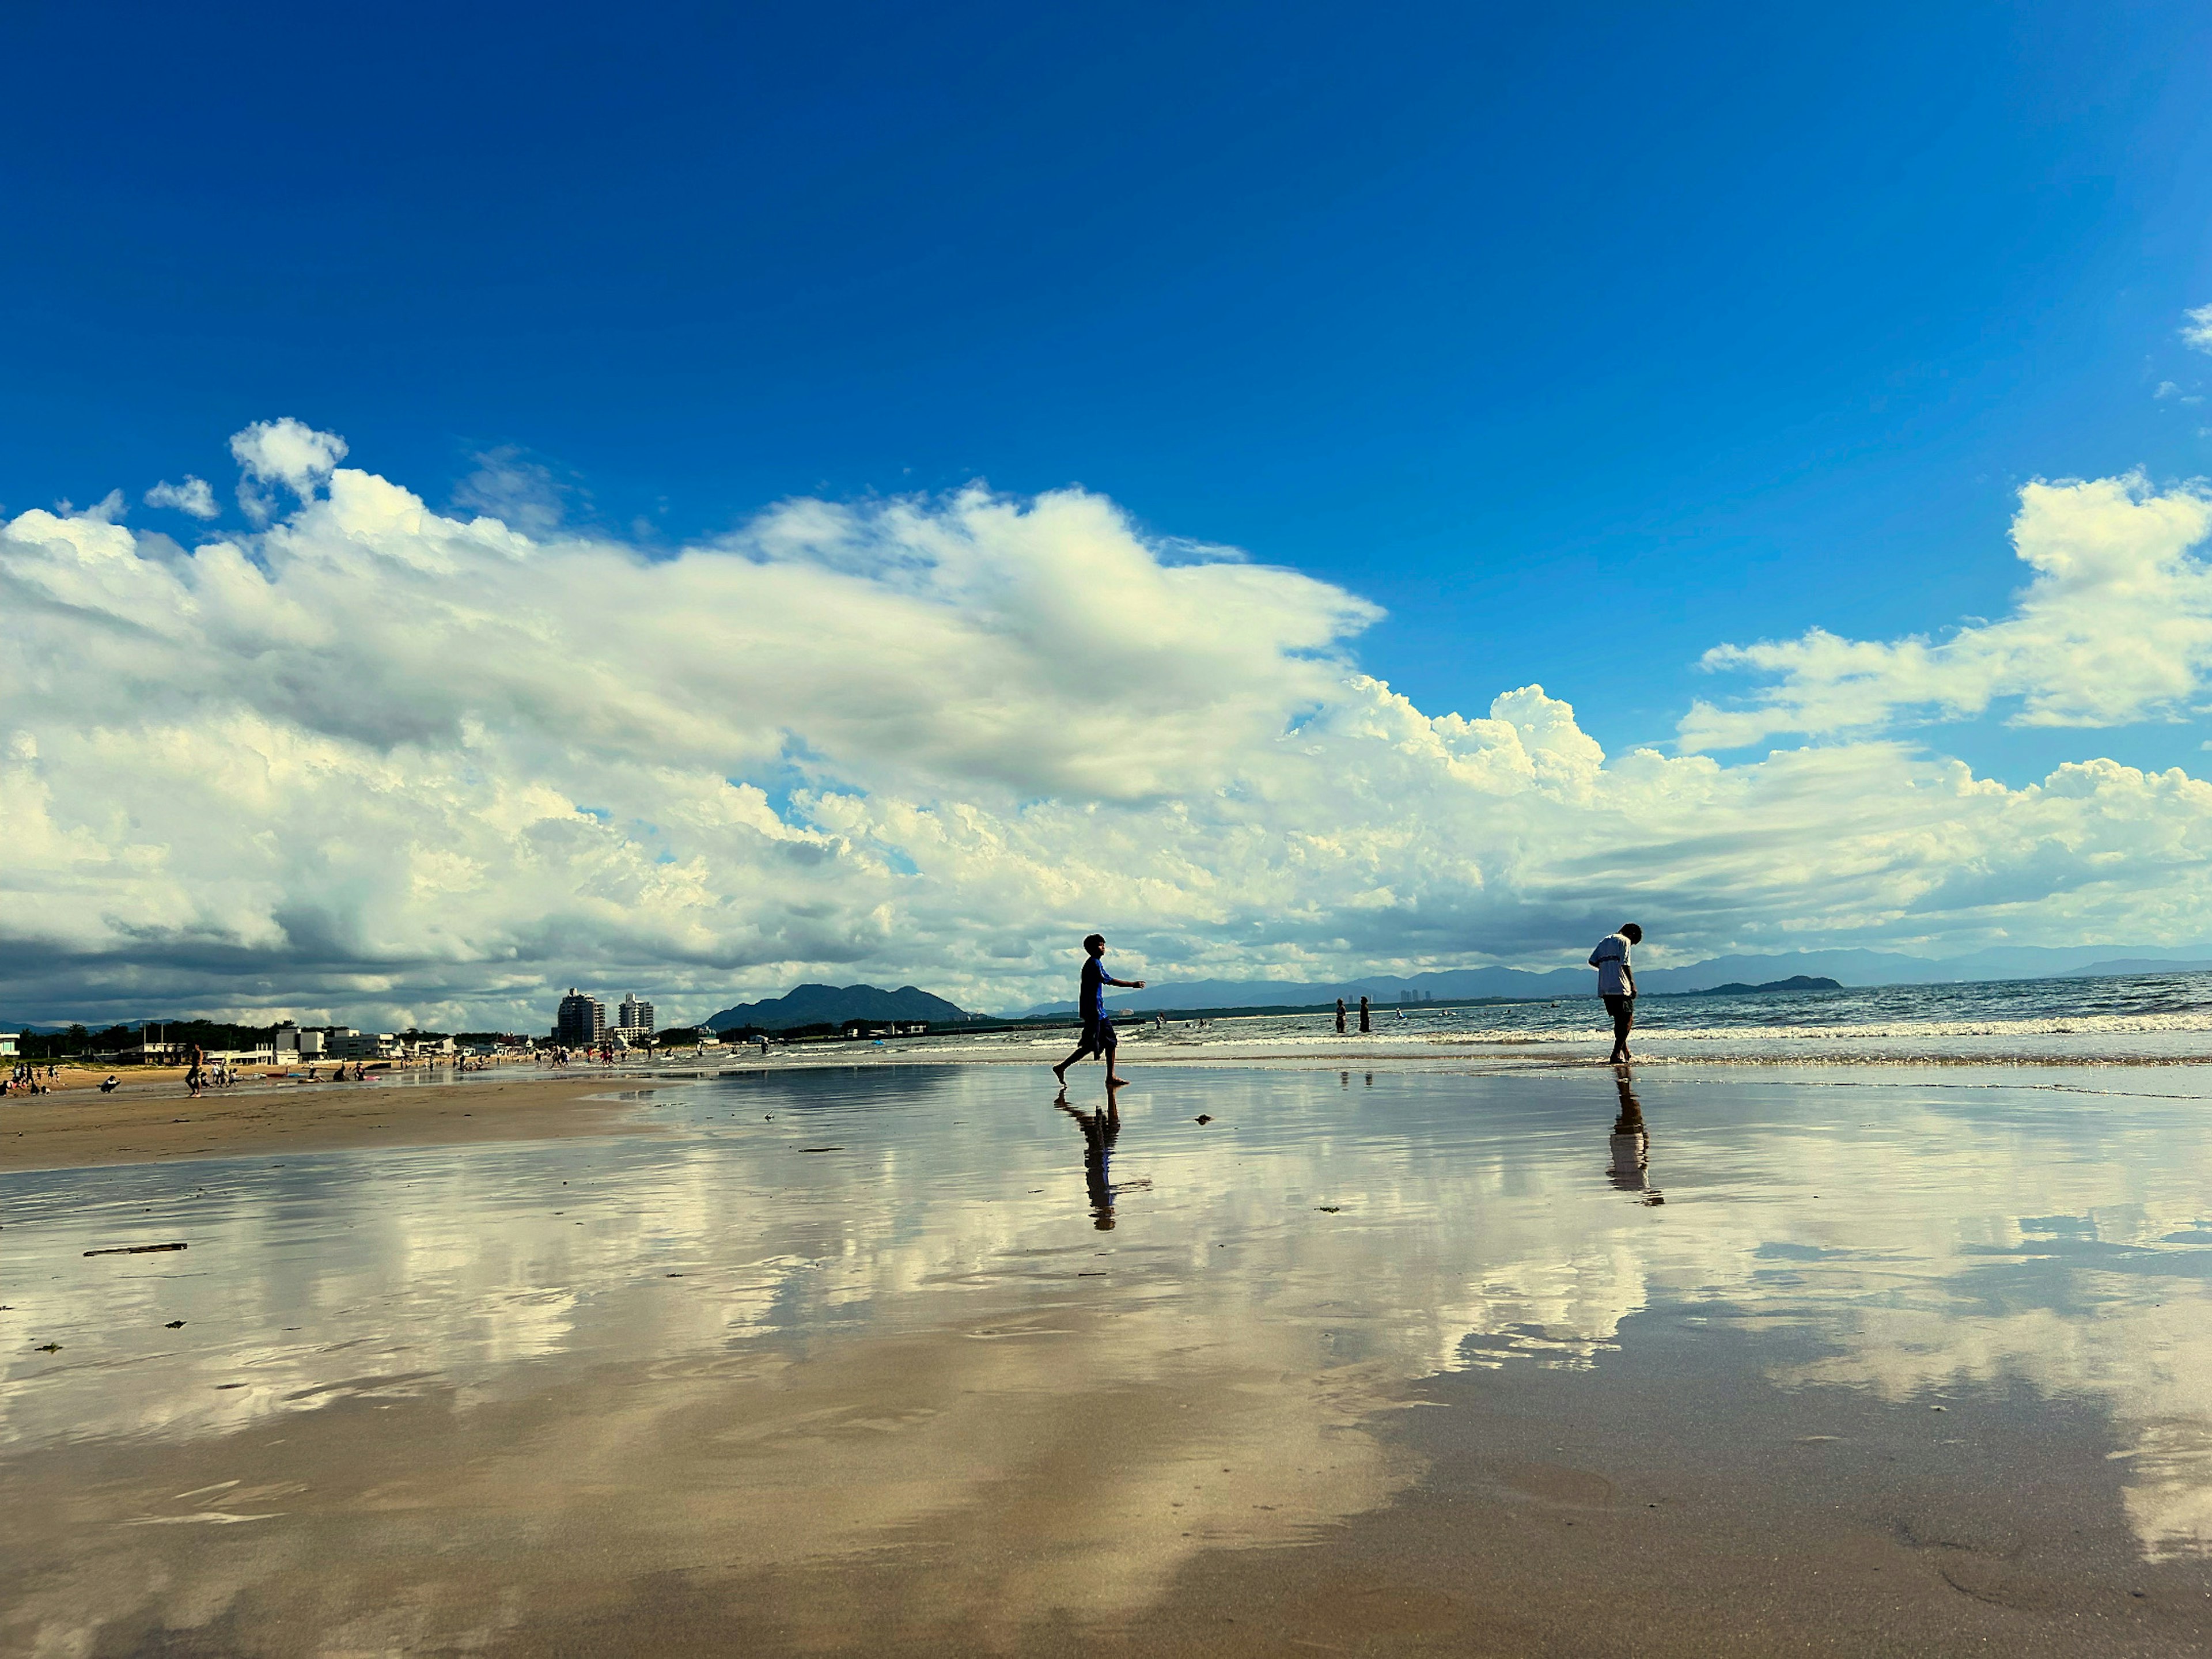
1616, 983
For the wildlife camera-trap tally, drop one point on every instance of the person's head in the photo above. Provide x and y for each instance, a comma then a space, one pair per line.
1096, 944
1632, 933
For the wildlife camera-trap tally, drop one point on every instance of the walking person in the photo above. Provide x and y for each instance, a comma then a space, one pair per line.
1616, 983
1091, 1000
1340, 1017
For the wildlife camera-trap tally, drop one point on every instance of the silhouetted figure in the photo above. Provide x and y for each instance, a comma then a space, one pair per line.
1616, 983
1097, 1031
1099, 1129
1632, 1144
1340, 1017
1366, 1016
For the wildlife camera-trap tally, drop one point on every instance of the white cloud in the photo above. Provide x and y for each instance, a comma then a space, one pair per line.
376, 760
2116, 626
283, 451
192, 497
2198, 330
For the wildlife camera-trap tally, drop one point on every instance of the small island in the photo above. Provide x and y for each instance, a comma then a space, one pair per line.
1795, 983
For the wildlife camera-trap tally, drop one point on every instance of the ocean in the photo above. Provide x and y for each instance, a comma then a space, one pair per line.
2142, 1019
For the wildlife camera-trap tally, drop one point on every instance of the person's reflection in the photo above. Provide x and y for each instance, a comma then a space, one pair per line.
1632, 1143
1099, 1128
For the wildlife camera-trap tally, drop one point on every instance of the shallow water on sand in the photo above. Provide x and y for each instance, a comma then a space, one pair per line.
1046, 1359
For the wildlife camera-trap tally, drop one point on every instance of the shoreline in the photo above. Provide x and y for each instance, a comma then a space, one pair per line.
155, 1119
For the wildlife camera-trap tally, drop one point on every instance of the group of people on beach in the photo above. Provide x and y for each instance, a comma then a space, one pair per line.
604, 1053
200, 1074
24, 1079
1616, 984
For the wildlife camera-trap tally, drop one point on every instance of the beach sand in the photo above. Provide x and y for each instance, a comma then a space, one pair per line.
843, 1358
1031, 1492
153, 1118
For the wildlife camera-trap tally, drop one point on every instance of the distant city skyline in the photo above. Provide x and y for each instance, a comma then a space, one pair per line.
1306, 494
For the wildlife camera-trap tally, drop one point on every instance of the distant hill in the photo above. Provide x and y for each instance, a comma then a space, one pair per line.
1795, 983
830, 1004
2127, 965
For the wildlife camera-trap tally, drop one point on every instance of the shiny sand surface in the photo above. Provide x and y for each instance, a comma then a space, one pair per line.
843, 1359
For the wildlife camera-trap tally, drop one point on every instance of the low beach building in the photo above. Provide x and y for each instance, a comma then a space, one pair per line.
293, 1044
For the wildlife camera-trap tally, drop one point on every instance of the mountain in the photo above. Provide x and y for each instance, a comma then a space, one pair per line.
1795, 983
2140, 965
829, 1004
1847, 968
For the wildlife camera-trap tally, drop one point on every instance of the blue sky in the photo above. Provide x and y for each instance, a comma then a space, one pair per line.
1579, 343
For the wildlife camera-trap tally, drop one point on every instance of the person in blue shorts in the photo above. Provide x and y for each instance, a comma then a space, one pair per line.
1097, 1030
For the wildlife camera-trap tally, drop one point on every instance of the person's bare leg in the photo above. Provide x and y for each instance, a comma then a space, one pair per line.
1112, 1081
1059, 1072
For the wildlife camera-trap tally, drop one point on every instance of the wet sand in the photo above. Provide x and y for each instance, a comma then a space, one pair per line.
902, 1360
1023, 1488
154, 1119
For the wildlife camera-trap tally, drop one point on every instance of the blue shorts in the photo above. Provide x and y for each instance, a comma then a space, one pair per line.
1097, 1036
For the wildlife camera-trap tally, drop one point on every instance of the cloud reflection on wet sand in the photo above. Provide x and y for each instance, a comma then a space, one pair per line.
474, 1396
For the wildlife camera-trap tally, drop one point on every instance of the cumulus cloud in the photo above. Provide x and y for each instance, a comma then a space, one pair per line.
379, 760
283, 451
2116, 626
2197, 330
192, 497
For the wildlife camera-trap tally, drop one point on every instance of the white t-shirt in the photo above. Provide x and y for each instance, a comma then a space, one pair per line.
1610, 957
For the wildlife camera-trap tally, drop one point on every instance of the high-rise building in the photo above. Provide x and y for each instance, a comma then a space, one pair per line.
581, 1021
634, 1018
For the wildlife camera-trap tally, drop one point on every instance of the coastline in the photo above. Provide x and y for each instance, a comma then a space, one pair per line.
153, 1119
